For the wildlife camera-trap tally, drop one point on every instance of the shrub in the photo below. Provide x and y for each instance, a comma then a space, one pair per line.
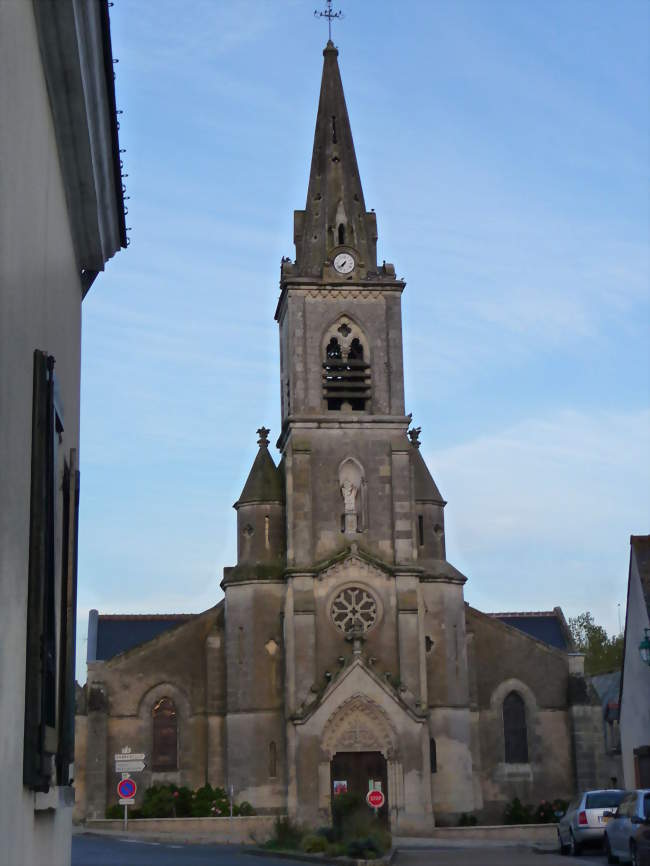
547, 809
313, 844
381, 839
115, 811
466, 820
516, 813
336, 849
286, 834
244, 808
209, 802
361, 848
158, 802
328, 833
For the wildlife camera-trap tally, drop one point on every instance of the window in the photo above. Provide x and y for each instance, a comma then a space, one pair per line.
165, 736
433, 756
514, 729
420, 529
273, 760
346, 372
40, 735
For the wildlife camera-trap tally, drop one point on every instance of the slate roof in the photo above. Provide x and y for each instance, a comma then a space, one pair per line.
641, 546
607, 687
264, 482
548, 626
425, 488
117, 633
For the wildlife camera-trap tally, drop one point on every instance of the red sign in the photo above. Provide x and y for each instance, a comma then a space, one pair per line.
126, 789
375, 799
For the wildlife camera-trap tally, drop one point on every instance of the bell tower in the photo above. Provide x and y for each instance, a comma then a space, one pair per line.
344, 429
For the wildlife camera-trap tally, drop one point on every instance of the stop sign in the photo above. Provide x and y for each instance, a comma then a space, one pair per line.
375, 799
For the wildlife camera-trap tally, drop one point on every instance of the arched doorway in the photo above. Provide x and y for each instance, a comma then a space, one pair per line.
360, 743
358, 773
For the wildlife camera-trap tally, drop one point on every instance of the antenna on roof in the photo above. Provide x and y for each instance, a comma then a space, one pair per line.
329, 14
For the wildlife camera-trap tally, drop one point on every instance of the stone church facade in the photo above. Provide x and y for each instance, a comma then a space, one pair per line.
343, 649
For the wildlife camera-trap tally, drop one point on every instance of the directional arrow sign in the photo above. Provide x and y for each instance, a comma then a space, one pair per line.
129, 766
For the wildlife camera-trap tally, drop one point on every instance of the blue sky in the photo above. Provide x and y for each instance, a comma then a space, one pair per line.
504, 147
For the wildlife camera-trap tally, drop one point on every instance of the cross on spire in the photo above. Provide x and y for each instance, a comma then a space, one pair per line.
329, 14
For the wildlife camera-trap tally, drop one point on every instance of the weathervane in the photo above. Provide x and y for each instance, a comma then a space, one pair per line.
329, 15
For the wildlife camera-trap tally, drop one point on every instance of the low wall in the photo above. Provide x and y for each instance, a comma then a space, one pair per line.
499, 833
244, 830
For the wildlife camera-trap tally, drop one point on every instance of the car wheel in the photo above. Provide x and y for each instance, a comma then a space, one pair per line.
608, 850
634, 854
575, 847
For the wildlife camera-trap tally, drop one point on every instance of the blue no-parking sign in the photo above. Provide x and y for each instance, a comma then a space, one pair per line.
126, 789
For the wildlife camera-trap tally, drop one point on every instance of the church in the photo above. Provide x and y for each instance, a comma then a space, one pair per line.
343, 655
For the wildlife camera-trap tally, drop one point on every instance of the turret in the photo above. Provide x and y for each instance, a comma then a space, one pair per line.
429, 506
260, 519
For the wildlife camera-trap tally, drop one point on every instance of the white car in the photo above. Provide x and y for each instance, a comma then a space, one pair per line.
583, 823
622, 825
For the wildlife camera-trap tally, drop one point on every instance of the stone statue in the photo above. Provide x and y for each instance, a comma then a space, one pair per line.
349, 493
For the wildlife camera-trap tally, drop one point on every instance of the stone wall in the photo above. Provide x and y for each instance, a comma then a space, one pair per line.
251, 830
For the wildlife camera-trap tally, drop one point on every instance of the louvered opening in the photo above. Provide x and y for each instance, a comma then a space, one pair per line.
346, 375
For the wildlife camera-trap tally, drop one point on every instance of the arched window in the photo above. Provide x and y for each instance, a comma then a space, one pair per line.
165, 736
341, 233
514, 729
433, 756
346, 377
273, 760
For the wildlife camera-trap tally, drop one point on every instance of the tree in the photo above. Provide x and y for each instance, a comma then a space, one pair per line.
602, 653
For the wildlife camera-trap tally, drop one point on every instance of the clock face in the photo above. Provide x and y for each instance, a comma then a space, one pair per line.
344, 263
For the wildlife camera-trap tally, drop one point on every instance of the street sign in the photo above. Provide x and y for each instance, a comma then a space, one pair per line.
126, 789
129, 766
129, 756
126, 802
375, 799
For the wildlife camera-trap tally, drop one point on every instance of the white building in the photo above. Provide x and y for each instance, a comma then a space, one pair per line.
635, 677
61, 219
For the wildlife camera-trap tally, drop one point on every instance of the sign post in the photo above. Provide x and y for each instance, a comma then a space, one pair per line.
126, 790
127, 762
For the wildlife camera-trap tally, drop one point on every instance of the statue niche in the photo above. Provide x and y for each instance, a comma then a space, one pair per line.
352, 485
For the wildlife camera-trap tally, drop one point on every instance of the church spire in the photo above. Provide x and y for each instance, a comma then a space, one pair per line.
335, 216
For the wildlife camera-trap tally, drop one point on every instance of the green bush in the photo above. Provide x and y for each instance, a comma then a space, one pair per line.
328, 833
382, 839
244, 809
286, 835
336, 849
362, 848
313, 844
209, 802
547, 809
115, 811
466, 820
516, 813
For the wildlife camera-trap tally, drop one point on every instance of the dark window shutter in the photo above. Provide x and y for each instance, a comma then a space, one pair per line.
65, 756
40, 668
514, 729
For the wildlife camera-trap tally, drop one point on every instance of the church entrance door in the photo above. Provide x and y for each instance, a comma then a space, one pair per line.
359, 772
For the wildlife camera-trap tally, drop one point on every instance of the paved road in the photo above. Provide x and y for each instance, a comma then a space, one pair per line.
95, 850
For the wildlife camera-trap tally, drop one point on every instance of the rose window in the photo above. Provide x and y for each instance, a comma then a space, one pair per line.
354, 609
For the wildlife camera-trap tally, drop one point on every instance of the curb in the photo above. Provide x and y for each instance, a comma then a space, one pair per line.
386, 860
